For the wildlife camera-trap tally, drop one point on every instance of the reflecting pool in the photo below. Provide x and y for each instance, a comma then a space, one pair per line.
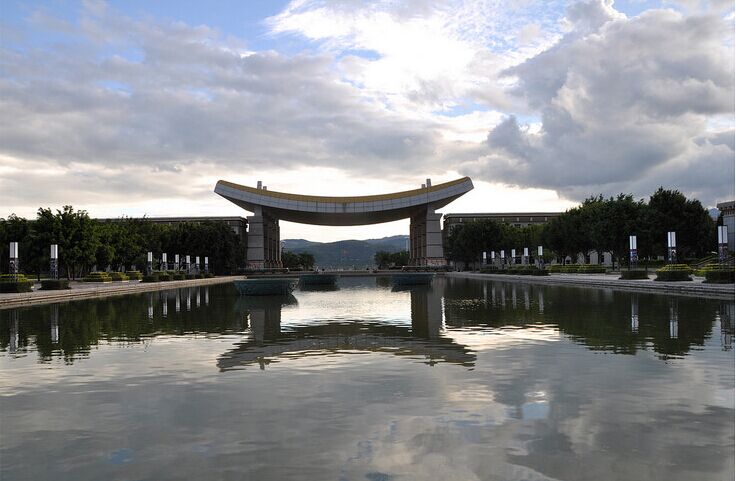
463, 380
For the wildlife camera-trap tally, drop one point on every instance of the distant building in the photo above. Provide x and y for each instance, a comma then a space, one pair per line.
239, 225
519, 219
726, 209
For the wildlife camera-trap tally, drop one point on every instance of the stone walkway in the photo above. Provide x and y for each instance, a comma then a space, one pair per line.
87, 290
695, 287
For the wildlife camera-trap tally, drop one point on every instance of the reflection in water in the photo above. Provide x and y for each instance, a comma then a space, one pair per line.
634, 313
55, 324
267, 340
673, 318
504, 381
725, 319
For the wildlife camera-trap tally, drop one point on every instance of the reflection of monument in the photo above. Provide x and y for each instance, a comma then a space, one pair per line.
426, 311
270, 342
264, 315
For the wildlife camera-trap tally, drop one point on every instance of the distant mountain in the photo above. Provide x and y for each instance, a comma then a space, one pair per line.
346, 253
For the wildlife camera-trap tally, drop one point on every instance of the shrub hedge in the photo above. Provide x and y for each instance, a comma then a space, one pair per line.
566, 269
150, 278
724, 275
134, 275
15, 284
635, 274
118, 276
191, 276
674, 272
54, 284
519, 270
97, 277
591, 269
708, 267
178, 277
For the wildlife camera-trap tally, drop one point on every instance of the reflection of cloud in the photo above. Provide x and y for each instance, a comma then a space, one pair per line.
484, 338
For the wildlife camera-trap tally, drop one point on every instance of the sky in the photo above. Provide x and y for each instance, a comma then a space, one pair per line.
132, 108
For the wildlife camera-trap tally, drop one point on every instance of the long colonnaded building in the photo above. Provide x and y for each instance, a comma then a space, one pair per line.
418, 205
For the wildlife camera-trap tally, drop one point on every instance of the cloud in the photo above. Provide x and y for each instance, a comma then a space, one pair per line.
512, 94
124, 92
625, 105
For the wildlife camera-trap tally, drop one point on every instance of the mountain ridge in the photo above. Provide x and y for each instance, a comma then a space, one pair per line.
350, 253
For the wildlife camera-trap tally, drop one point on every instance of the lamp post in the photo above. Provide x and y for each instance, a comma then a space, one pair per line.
196, 265
503, 258
493, 257
513, 256
14, 266
525, 259
206, 265
54, 262
540, 256
176, 262
164, 262
722, 243
671, 247
187, 264
149, 266
484, 258
633, 258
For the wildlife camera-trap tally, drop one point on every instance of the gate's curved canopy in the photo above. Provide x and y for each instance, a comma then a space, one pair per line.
322, 210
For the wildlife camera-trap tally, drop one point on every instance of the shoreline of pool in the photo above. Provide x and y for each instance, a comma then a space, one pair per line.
92, 290
609, 281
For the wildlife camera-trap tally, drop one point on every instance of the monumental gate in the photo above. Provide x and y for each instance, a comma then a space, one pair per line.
419, 205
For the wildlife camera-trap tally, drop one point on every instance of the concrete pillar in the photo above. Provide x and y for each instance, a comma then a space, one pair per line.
425, 231
264, 241
256, 255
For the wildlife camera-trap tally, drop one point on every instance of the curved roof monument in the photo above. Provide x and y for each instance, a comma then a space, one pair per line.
343, 211
271, 206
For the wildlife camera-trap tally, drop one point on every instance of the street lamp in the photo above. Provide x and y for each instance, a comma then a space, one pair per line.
54, 262
14, 266
671, 247
722, 243
633, 257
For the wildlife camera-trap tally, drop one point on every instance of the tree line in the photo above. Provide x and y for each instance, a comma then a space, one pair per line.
85, 243
598, 224
303, 261
385, 260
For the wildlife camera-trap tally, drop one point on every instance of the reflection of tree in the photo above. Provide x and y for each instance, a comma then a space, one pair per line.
599, 318
84, 324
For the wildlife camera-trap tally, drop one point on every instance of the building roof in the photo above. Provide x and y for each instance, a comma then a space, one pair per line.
502, 214
330, 210
178, 219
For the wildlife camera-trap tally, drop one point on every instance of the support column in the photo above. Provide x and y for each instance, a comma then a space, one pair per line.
256, 255
426, 239
264, 241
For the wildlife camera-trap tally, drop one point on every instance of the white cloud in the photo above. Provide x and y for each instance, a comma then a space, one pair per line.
625, 106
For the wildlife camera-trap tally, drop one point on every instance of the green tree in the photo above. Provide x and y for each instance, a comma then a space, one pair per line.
307, 260
297, 261
670, 210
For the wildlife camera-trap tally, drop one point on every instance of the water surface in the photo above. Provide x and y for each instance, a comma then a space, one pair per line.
465, 380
